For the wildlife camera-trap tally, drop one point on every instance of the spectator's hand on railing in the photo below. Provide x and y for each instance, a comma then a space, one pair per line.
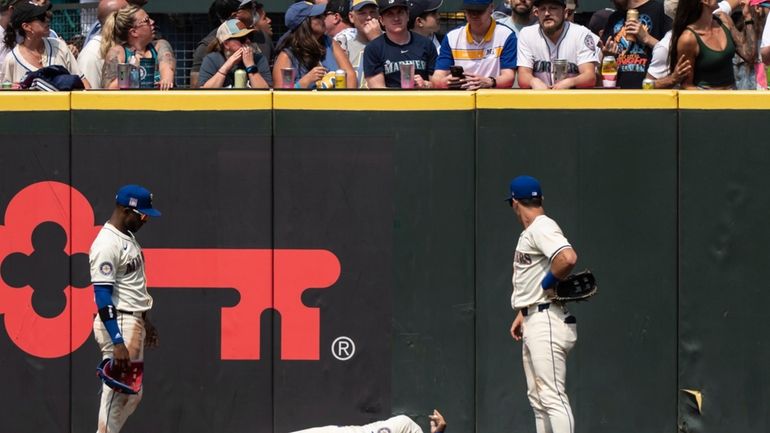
420, 83
476, 82
165, 84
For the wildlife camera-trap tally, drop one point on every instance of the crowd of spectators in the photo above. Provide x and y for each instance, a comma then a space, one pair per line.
689, 44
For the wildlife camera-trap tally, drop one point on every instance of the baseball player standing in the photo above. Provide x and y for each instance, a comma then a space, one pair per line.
543, 257
117, 273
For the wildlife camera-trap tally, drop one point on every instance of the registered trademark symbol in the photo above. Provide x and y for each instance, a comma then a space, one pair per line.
343, 348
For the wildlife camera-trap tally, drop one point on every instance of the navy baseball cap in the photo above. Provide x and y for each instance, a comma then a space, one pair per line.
300, 11
387, 4
476, 5
524, 187
419, 7
136, 197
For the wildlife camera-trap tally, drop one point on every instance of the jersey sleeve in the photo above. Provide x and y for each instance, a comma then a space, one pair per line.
445, 58
586, 50
524, 55
104, 259
659, 63
510, 52
549, 238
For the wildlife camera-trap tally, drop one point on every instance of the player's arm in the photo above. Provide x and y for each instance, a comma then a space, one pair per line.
562, 264
109, 316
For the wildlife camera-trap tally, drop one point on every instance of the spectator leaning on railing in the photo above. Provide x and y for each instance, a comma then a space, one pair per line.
485, 50
130, 32
556, 39
31, 23
308, 50
232, 50
90, 60
365, 18
399, 47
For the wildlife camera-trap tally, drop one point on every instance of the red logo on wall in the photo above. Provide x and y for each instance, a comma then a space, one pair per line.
264, 278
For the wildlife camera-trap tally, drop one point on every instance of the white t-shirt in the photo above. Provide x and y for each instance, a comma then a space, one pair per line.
91, 62
538, 245
56, 53
3, 53
576, 44
116, 259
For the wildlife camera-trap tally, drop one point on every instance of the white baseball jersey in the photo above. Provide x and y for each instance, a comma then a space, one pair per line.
576, 44
538, 245
117, 259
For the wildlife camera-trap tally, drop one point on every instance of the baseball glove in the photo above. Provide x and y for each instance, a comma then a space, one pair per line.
128, 382
576, 287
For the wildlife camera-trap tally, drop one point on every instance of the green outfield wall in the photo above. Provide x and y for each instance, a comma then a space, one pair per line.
338, 257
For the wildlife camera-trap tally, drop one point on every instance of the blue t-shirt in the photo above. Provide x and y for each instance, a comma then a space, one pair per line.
385, 56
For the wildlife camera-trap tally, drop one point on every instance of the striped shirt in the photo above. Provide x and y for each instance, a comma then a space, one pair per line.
496, 51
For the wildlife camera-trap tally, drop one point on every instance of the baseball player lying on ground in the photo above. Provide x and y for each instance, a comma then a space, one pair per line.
396, 424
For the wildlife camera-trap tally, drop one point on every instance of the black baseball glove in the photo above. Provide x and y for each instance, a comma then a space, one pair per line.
576, 287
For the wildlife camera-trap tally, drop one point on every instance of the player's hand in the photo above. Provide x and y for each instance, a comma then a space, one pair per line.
517, 328
437, 423
120, 358
151, 338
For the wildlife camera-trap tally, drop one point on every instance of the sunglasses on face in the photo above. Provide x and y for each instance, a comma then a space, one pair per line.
140, 23
142, 217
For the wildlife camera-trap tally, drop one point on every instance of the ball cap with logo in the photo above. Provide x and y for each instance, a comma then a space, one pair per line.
388, 4
232, 29
476, 5
357, 5
300, 11
25, 11
524, 187
136, 197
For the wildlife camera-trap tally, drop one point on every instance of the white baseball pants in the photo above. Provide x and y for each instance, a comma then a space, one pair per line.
115, 408
547, 341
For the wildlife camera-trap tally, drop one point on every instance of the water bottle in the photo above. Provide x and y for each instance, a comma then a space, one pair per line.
134, 77
240, 79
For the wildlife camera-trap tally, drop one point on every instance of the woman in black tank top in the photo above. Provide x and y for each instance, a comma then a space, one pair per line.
709, 42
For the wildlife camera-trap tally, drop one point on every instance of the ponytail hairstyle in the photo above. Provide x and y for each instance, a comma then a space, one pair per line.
9, 40
687, 13
116, 28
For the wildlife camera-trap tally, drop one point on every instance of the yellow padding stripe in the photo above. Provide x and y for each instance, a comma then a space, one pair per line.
191, 100
473, 54
577, 99
11, 100
724, 100
375, 100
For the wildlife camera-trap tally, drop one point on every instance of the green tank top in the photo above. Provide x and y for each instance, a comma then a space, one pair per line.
714, 68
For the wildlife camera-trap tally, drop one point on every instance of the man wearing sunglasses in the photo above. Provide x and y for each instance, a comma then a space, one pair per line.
121, 329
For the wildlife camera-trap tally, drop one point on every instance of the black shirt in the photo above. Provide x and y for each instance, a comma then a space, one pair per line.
636, 57
385, 56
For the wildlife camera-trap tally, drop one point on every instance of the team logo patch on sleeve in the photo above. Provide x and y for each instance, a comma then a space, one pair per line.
106, 269
590, 44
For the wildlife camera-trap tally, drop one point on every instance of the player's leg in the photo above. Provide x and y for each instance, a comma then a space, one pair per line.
542, 423
115, 408
550, 343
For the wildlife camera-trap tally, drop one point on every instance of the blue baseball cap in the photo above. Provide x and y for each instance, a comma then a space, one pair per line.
300, 11
476, 5
136, 197
524, 187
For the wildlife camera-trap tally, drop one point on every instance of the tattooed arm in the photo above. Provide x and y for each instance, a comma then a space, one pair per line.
166, 63
110, 69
